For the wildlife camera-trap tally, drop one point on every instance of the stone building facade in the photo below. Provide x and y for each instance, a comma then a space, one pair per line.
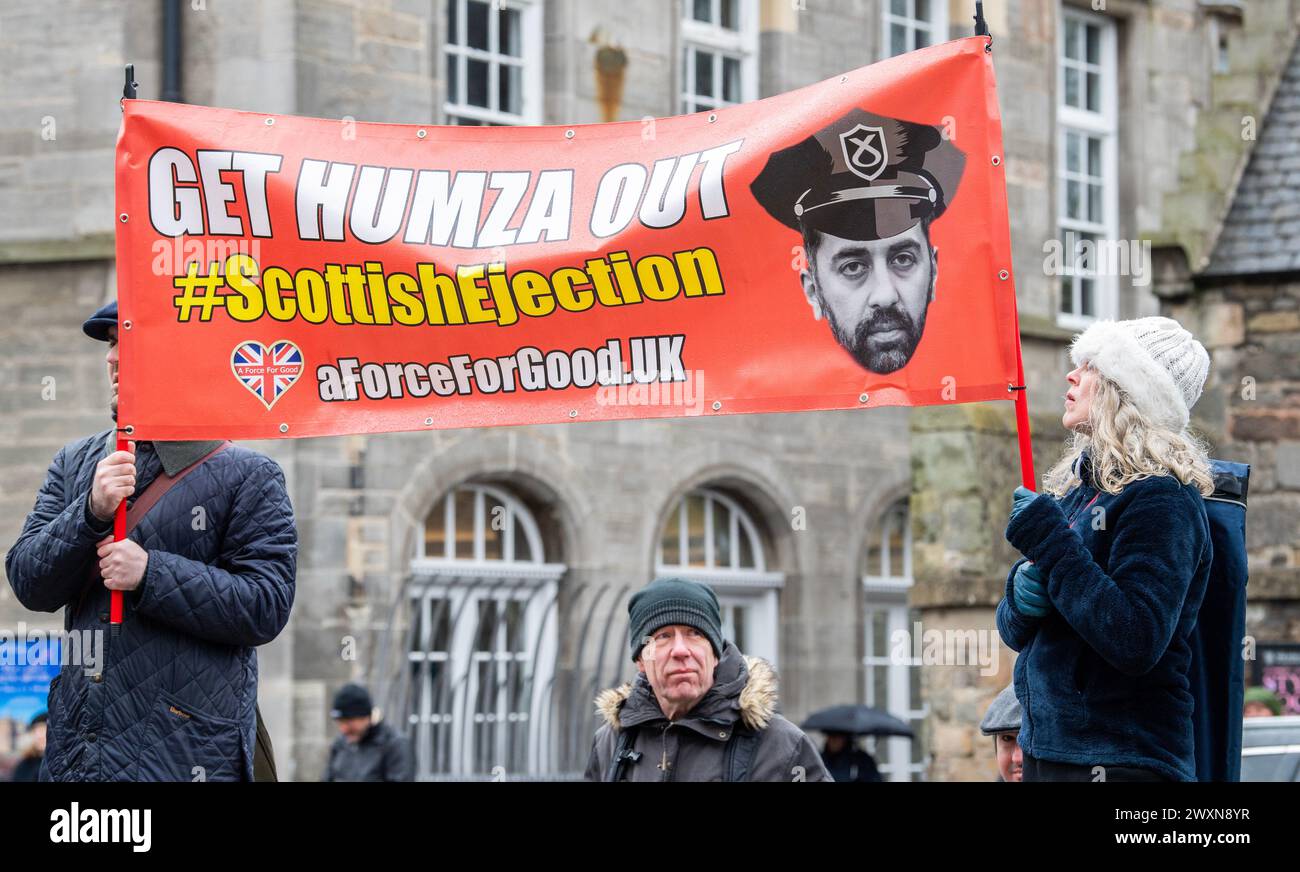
477, 579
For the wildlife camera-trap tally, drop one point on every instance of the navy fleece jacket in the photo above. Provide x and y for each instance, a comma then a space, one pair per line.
1103, 678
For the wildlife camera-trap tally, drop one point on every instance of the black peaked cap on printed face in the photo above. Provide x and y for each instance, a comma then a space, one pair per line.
863, 177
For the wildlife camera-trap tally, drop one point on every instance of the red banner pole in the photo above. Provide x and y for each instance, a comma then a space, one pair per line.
129, 92
1027, 477
119, 533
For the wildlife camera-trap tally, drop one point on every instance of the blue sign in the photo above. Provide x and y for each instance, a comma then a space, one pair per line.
27, 666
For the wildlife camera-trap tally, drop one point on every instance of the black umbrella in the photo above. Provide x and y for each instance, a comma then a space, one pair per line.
857, 720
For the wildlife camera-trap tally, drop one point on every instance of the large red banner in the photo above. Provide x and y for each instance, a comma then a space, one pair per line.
841, 246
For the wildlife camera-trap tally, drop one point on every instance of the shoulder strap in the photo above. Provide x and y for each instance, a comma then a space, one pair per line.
158, 488
263, 753
623, 754
148, 498
738, 758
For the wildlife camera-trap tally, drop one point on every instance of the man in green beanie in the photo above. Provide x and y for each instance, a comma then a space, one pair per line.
699, 709
1260, 702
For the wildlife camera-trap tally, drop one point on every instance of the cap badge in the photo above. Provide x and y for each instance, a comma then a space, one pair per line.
864, 149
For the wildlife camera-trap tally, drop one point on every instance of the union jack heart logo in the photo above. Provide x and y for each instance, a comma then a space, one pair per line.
267, 371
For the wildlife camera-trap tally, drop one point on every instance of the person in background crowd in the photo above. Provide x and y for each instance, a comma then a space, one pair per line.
32, 751
365, 750
1260, 702
847, 762
1002, 722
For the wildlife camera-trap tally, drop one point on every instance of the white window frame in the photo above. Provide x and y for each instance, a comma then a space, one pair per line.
741, 44
515, 511
887, 592
464, 583
1218, 34
936, 26
755, 589
1105, 126
530, 59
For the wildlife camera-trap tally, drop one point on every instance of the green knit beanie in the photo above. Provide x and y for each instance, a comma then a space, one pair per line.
1265, 696
667, 601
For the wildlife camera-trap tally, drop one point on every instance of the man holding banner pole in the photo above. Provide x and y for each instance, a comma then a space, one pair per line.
206, 573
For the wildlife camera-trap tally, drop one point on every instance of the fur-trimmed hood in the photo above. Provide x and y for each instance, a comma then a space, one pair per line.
744, 688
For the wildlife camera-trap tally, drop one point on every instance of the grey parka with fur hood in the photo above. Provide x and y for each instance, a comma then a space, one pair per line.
692, 748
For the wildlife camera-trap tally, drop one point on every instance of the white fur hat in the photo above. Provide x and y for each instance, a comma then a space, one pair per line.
1158, 364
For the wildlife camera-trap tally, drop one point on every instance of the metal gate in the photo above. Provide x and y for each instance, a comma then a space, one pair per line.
493, 677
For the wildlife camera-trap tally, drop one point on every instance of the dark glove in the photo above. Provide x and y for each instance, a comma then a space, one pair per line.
1029, 592
1021, 497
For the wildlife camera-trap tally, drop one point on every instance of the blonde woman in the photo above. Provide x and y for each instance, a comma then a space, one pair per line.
1118, 555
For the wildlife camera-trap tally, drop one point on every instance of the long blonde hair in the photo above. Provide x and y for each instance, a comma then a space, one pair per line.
1123, 447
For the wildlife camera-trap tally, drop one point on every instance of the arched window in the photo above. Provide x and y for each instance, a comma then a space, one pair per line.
482, 637
481, 522
893, 674
711, 537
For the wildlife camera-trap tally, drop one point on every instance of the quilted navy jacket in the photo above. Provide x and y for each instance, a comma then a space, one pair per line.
1102, 679
173, 699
